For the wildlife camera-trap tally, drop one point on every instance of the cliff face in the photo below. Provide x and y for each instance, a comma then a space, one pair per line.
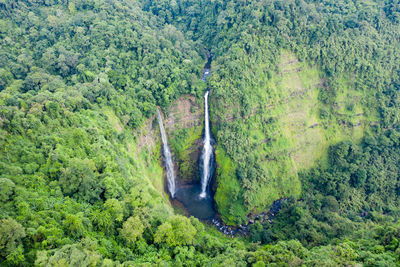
184, 125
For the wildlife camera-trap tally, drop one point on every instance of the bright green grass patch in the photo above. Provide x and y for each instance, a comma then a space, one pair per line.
291, 139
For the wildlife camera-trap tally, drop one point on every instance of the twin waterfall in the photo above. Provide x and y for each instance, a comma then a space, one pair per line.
207, 153
206, 164
169, 165
206, 156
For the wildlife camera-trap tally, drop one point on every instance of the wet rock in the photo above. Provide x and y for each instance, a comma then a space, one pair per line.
243, 229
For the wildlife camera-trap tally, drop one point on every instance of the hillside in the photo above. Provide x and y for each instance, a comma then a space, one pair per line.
284, 89
304, 109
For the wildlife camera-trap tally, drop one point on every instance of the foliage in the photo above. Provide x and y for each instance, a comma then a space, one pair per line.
299, 111
183, 143
132, 229
177, 231
11, 234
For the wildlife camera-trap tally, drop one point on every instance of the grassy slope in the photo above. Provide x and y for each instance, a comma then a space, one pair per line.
149, 159
288, 133
144, 152
229, 192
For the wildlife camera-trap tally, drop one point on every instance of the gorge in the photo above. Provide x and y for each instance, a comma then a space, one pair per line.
196, 197
120, 144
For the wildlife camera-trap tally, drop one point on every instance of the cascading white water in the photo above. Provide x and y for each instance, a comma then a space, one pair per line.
167, 158
207, 150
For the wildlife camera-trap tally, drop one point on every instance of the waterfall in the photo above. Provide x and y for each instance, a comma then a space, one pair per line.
207, 153
167, 158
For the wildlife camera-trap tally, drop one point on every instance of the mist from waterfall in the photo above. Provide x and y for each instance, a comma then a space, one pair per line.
167, 158
207, 153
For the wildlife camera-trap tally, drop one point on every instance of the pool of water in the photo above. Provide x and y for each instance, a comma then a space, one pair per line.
201, 208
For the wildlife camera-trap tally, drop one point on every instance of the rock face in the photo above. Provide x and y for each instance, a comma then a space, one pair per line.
184, 113
184, 125
243, 229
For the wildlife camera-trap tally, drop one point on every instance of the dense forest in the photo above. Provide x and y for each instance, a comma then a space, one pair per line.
304, 107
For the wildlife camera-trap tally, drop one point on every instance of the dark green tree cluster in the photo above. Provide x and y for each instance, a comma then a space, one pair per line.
79, 80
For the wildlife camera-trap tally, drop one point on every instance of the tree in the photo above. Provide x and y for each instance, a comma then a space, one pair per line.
68, 255
11, 234
6, 189
79, 180
132, 229
5, 78
73, 224
115, 208
176, 231
117, 79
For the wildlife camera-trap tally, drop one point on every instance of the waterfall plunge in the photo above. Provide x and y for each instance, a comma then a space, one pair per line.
167, 158
207, 153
